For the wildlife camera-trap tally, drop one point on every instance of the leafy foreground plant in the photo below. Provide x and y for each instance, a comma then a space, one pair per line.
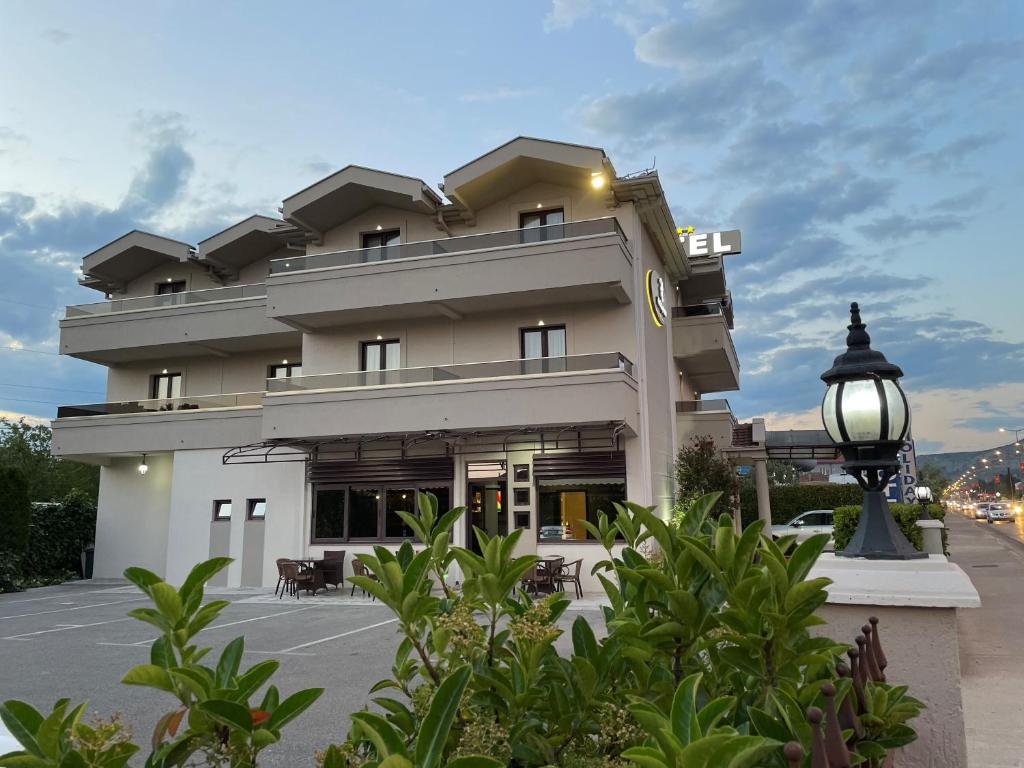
707, 661
214, 722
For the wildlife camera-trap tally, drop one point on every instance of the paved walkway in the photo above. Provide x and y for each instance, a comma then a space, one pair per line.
990, 641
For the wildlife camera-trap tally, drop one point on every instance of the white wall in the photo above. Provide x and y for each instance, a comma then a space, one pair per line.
200, 478
132, 516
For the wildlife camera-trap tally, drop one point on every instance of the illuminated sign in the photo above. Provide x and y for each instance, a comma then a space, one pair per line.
656, 297
709, 243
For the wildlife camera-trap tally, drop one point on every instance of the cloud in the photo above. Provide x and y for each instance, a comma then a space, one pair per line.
56, 36
319, 167
956, 151
630, 15
497, 93
901, 227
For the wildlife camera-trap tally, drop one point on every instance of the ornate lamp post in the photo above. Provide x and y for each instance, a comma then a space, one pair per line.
924, 496
866, 413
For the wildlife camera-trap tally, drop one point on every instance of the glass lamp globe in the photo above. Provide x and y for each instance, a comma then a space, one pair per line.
924, 493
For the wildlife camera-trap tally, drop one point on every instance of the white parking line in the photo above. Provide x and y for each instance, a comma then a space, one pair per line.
257, 618
76, 608
64, 628
336, 637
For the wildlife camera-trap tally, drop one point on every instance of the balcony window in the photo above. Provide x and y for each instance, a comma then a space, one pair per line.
548, 341
165, 386
538, 226
563, 505
167, 288
222, 509
256, 509
381, 239
381, 355
285, 370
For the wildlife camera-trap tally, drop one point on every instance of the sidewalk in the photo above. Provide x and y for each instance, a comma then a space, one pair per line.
990, 641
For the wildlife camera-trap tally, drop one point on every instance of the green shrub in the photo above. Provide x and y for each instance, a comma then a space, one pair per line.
59, 534
845, 521
700, 470
15, 512
788, 501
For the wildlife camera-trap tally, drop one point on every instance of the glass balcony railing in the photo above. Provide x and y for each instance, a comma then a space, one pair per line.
162, 404
719, 405
699, 310
168, 300
459, 371
526, 236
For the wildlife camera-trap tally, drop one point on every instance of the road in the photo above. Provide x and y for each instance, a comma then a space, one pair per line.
990, 639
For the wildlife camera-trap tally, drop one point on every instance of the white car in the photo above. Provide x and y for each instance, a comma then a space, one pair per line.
981, 510
999, 510
806, 525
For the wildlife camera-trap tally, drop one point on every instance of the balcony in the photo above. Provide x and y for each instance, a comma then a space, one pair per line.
217, 321
561, 263
92, 431
695, 418
702, 345
577, 389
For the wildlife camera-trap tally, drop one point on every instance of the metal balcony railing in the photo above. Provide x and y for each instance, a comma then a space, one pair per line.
168, 300
456, 372
449, 245
162, 404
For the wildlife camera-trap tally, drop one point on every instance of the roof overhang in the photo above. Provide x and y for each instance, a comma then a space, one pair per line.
648, 197
521, 162
129, 257
243, 243
801, 444
353, 190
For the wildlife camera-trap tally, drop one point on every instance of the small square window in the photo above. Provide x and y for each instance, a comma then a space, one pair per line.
521, 497
256, 509
222, 509
522, 519
521, 473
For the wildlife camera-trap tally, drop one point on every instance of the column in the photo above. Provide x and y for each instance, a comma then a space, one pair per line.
764, 505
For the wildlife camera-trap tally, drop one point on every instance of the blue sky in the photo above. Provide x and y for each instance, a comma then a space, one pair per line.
870, 151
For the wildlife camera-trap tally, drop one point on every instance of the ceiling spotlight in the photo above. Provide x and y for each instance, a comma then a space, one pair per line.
379, 337
540, 322
284, 362
164, 371
597, 180
379, 227
539, 206
143, 466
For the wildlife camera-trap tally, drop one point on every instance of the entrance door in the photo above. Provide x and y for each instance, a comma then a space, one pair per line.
486, 501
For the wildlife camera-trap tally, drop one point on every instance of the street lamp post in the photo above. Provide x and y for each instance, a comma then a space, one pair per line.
866, 414
924, 497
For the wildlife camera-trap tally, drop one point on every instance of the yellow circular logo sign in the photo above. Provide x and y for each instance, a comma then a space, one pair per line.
656, 298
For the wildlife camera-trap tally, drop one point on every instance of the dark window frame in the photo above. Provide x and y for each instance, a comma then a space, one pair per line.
413, 486
382, 234
176, 286
520, 497
290, 366
155, 379
544, 330
219, 518
383, 344
523, 476
587, 540
543, 213
250, 505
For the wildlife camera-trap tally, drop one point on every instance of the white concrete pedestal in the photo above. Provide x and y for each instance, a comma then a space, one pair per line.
931, 532
916, 603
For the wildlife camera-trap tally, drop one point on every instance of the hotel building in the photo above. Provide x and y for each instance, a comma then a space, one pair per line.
530, 341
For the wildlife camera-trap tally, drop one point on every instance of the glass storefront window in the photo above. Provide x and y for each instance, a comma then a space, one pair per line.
369, 513
363, 503
329, 513
398, 499
562, 505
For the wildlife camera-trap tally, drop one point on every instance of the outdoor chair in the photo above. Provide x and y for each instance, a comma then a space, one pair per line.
358, 569
570, 574
295, 579
529, 580
333, 567
280, 573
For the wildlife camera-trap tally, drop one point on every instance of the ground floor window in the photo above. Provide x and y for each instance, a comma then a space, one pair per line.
563, 505
368, 512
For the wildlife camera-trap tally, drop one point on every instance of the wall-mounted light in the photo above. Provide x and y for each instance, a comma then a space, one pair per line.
143, 466
597, 180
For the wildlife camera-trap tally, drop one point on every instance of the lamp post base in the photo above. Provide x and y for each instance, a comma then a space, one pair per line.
877, 536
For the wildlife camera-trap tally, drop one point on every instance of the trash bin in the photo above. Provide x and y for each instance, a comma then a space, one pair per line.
88, 556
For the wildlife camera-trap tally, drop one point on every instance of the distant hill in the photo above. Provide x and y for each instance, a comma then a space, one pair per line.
955, 463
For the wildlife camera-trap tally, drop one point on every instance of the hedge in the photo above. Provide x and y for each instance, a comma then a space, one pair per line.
15, 512
788, 501
845, 518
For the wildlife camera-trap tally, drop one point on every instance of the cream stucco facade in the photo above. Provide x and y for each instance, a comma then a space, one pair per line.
528, 370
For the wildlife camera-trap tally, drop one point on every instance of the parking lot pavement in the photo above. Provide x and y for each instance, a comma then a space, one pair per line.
76, 641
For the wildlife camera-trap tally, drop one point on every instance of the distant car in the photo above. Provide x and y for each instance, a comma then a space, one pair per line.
998, 510
806, 525
554, 532
981, 510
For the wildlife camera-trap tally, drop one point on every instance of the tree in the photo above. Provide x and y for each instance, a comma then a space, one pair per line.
15, 512
700, 470
27, 447
934, 477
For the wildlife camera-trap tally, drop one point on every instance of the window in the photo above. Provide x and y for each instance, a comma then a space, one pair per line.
562, 505
546, 218
256, 509
521, 473
380, 239
222, 509
284, 370
174, 286
165, 385
521, 497
548, 341
381, 355
368, 513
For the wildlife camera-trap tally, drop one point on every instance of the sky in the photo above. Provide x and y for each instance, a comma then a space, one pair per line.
870, 151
